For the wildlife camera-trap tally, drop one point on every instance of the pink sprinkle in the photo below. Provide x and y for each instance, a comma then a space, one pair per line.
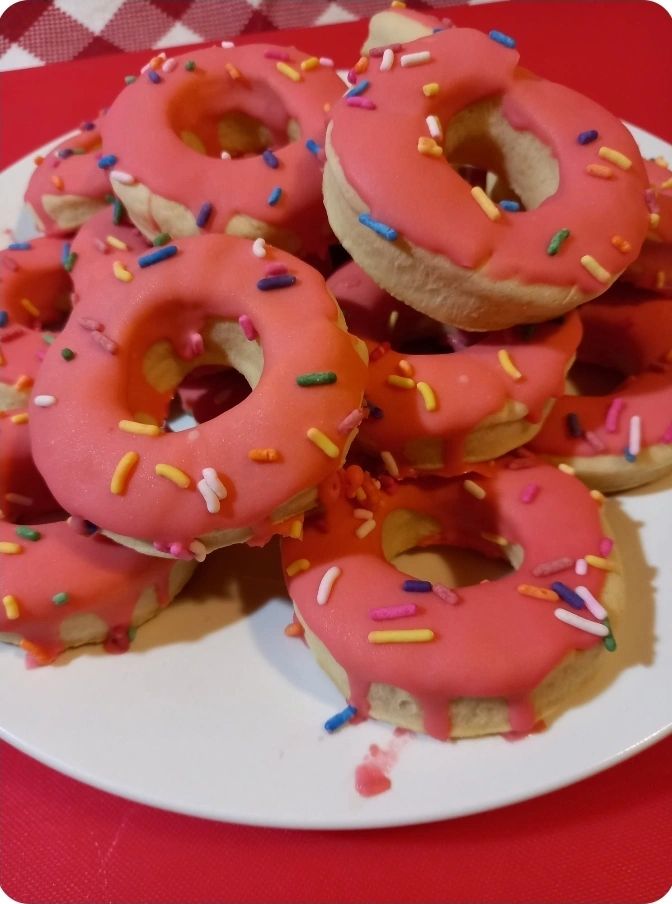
553, 567
101, 246
273, 54
388, 612
613, 415
105, 342
667, 435
379, 51
40, 355
594, 441
446, 594
388, 484
77, 524
180, 551
363, 102
606, 545
352, 77
90, 324
248, 327
651, 200
161, 547
581, 566
350, 421
169, 65
275, 269
327, 61
529, 493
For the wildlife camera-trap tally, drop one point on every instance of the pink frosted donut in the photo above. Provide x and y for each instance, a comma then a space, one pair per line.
653, 268
622, 439
264, 106
494, 656
135, 334
440, 412
106, 235
62, 587
443, 246
69, 184
34, 283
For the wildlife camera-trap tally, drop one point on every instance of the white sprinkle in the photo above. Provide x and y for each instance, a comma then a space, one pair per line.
392, 320
17, 499
211, 477
635, 436
415, 59
474, 488
121, 176
365, 528
327, 61
387, 60
390, 463
329, 578
594, 607
225, 155
210, 497
198, 549
362, 514
44, 401
227, 45
259, 247
434, 126
583, 624
581, 566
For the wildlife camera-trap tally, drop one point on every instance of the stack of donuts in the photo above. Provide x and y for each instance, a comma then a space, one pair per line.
184, 366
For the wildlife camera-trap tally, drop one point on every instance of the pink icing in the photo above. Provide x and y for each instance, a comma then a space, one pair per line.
91, 245
653, 268
39, 276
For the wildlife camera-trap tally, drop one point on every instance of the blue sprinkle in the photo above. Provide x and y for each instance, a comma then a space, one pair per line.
155, 257
629, 456
90, 528
19, 246
567, 594
270, 159
107, 161
413, 586
511, 206
374, 411
357, 89
87, 126
64, 153
587, 137
274, 196
387, 232
276, 282
345, 715
154, 76
4, 318
65, 253
313, 146
204, 214
501, 38
437, 30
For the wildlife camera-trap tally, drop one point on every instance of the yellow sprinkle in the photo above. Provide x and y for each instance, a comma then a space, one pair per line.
397, 4
21, 418
233, 71
660, 279
360, 495
114, 242
121, 272
417, 635
615, 157
392, 320
11, 605
297, 566
498, 539
264, 455
566, 469
365, 528
289, 71
401, 382
296, 529
310, 63
602, 172
475, 489
23, 382
122, 473
429, 147
428, 395
661, 161
595, 269
322, 441
430, 89
487, 206
27, 305
654, 220
622, 244
601, 563
539, 593
137, 427
10, 549
507, 365
405, 367
597, 496
665, 185
175, 475
390, 463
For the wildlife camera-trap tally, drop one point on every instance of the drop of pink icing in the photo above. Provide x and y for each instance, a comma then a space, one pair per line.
372, 775
371, 780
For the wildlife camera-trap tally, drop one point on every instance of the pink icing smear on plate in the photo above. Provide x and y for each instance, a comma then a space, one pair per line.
372, 774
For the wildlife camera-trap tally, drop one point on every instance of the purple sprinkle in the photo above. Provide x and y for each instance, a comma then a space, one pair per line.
154, 76
613, 415
651, 200
574, 427
587, 137
270, 159
529, 493
362, 102
276, 282
414, 586
568, 595
446, 594
389, 612
87, 126
606, 545
64, 153
546, 568
204, 214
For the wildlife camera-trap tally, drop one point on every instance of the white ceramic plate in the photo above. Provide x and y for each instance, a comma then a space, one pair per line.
215, 713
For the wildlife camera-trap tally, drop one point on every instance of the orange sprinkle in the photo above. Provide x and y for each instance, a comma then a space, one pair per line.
429, 147
264, 455
602, 172
405, 367
622, 244
539, 593
39, 160
58, 182
361, 65
27, 305
39, 654
294, 629
233, 71
23, 382
21, 418
660, 279
665, 185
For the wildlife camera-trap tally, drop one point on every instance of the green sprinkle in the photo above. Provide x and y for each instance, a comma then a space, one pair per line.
59, 599
609, 641
67, 354
162, 239
554, 245
118, 212
70, 261
109, 198
48, 337
129, 79
132, 631
190, 65
318, 378
28, 533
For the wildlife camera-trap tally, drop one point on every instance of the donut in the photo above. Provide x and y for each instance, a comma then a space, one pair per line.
496, 656
399, 25
440, 412
35, 283
653, 268
261, 106
621, 439
133, 337
576, 220
70, 183
107, 234
62, 587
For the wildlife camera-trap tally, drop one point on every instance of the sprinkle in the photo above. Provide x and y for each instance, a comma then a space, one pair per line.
269, 283
350, 421
387, 232
497, 539
67, 354
507, 365
114, 242
660, 279
225, 155
429, 147
390, 463
584, 624
154, 77
270, 159
597, 496
169, 65
566, 469
431, 89
122, 273
59, 599
594, 607
601, 563
212, 479
57, 182
175, 475
362, 514
635, 435
318, 378
340, 719
574, 427
415, 59
595, 269
602, 172
609, 641
264, 455
274, 268
138, 428
326, 585
23, 383
204, 214
606, 546
365, 528
288, 71
11, 605
122, 177
296, 529
387, 60
664, 186
10, 549
539, 593
297, 566
117, 211
18, 499
19, 246
362, 102
501, 38
357, 89
615, 157
313, 146
621, 244
310, 63
259, 247
386, 613
445, 594
419, 635
613, 415
248, 327
488, 207
129, 79
654, 220
411, 585
107, 160
21, 418
434, 126
28, 306
190, 66
567, 595
28, 533
428, 395
323, 443
4, 318
556, 241
227, 45
587, 137
233, 71
274, 196
530, 493
581, 567
122, 473
553, 567
105, 342
401, 382
475, 489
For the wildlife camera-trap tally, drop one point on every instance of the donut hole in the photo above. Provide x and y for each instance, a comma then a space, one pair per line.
204, 394
509, 164
240, 117
588, 379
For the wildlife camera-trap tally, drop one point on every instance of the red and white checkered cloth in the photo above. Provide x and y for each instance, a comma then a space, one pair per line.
35, 32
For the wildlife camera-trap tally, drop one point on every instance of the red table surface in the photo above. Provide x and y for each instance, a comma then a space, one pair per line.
606, 839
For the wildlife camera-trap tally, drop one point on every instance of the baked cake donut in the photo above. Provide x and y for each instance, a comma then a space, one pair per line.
35, 284
577, 217
62, 586
497, 656
261, 108
440, 412
622, 439
132, 339
70, 184
399, 25
653, 268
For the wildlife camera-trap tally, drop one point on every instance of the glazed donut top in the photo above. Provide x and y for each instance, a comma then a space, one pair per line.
488, 639
659, 200
375, 137
121, 357
34, 283
164, 133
